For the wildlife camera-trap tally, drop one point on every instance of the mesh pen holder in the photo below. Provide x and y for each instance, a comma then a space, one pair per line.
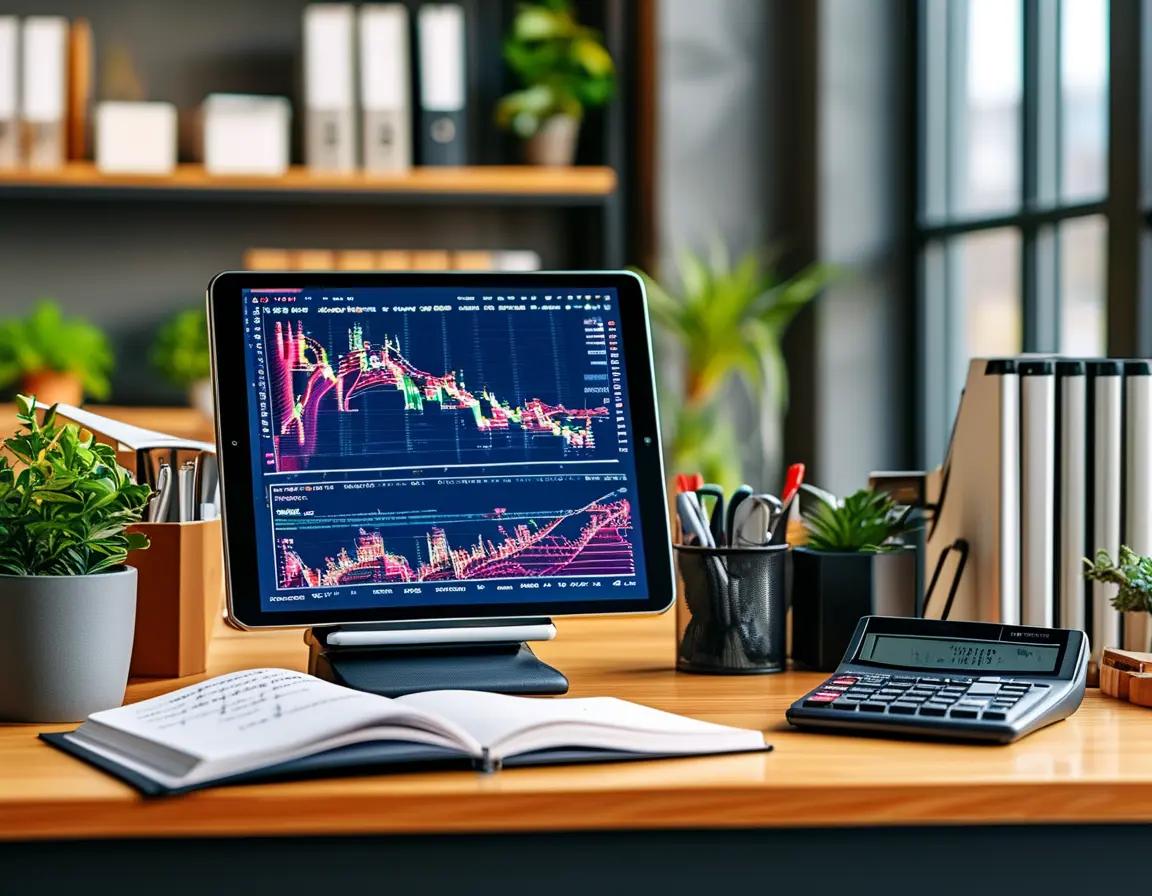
733, 613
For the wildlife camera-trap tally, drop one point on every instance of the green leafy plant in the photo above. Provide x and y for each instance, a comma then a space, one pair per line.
866, 521
1132, 574
180, 353
562, 66
64, 502
727, 322
45, 340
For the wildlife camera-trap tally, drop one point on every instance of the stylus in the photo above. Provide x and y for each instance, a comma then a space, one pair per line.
479, 634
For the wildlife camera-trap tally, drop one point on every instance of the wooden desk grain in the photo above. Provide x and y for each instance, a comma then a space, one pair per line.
1095, 767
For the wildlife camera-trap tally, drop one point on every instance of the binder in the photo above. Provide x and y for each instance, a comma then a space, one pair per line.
1107, 385
44, 57
1137, 488
976, 493
9, 92
1037, 490
81, 75
443, 126
385, 87
1072, 491
329, 87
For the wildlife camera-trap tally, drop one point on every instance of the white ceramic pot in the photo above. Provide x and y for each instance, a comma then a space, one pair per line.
65, 644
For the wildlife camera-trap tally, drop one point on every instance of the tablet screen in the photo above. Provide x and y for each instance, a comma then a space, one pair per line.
440, 445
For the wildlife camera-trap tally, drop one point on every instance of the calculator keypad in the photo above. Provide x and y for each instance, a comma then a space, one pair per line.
958, 697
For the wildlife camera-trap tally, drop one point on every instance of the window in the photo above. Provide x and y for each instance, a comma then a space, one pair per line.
1011, 218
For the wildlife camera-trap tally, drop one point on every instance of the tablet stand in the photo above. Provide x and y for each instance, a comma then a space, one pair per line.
400, 658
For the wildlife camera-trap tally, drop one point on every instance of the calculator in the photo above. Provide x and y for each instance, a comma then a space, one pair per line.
946, 679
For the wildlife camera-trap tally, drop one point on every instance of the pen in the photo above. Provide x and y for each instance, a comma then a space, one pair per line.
187, 491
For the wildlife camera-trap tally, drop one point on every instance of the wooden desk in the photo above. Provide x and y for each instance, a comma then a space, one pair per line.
1095, 767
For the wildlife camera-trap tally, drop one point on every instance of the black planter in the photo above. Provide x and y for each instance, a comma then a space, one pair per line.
831, 592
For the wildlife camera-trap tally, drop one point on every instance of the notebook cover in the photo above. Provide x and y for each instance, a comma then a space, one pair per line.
362, 759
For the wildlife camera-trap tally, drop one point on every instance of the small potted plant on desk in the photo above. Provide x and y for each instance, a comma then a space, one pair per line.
181, 355
1132, 576
854, 564
67, 598
564, 69
57, 359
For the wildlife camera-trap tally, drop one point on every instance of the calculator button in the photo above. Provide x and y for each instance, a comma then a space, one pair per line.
913, 698
994, 715
904, 709
965, 712
931, 681
933, 709
904, 680
845, 680
1039, 685
872, 707
921, 692
984, 687
960, 680
889, 692
818, 703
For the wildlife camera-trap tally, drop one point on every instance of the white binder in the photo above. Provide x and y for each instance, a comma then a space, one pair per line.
385, 87
443, 85
44, 106
1138, 485
1037, 491
9, 92
329, 87
1071, 518
1107, 387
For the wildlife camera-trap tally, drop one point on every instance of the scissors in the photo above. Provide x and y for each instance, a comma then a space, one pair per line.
755, 519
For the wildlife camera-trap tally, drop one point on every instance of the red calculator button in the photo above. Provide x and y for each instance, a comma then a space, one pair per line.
844, 681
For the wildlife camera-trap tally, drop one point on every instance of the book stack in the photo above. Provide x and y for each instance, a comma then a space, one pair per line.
390, 260
358, 86
1050, 461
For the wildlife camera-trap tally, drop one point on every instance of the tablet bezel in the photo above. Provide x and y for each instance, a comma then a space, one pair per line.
233, 437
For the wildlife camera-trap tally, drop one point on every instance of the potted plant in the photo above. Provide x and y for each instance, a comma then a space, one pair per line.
725, 324
1132, 576
563, 69
58, 359
854, 564
182, 357
67, 599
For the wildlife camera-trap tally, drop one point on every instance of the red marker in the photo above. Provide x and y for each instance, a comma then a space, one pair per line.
792, 483
689, 482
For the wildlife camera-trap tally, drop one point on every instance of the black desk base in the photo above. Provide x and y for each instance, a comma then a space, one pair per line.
505, 668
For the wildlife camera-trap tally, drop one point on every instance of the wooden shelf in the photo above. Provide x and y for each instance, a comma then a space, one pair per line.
574, 186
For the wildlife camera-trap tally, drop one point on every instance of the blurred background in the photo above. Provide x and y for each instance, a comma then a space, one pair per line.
839, 201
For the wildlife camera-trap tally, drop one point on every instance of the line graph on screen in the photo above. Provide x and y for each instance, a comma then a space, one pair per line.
500, 542
361, 405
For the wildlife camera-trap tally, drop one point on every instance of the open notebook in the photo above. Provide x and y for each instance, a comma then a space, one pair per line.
264, 724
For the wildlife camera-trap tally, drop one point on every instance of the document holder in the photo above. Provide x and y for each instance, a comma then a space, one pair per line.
504, 667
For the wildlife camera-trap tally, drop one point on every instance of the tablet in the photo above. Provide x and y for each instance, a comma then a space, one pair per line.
404, 446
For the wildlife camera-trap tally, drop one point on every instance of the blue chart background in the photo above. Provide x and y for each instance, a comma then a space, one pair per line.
518, 356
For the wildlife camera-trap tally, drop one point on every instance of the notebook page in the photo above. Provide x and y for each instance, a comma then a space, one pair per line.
495, 718
257, 711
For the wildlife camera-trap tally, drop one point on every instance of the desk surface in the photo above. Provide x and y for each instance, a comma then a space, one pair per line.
1093, 767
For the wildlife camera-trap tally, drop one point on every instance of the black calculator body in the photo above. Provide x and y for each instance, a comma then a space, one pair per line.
949, 680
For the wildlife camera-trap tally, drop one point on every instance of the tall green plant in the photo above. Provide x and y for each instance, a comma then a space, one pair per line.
727, 322
866, 521
562, 66
64, 502
181, 354
46, 340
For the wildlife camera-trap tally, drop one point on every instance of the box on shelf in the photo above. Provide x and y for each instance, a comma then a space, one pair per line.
246, 135
136, 138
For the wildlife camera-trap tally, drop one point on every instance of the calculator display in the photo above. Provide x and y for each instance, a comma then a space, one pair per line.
945, 653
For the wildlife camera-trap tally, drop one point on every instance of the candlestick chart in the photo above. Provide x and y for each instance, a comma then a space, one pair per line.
490, 543
350, 401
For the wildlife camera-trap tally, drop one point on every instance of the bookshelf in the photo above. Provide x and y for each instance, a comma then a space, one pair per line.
558, 186
128, 252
